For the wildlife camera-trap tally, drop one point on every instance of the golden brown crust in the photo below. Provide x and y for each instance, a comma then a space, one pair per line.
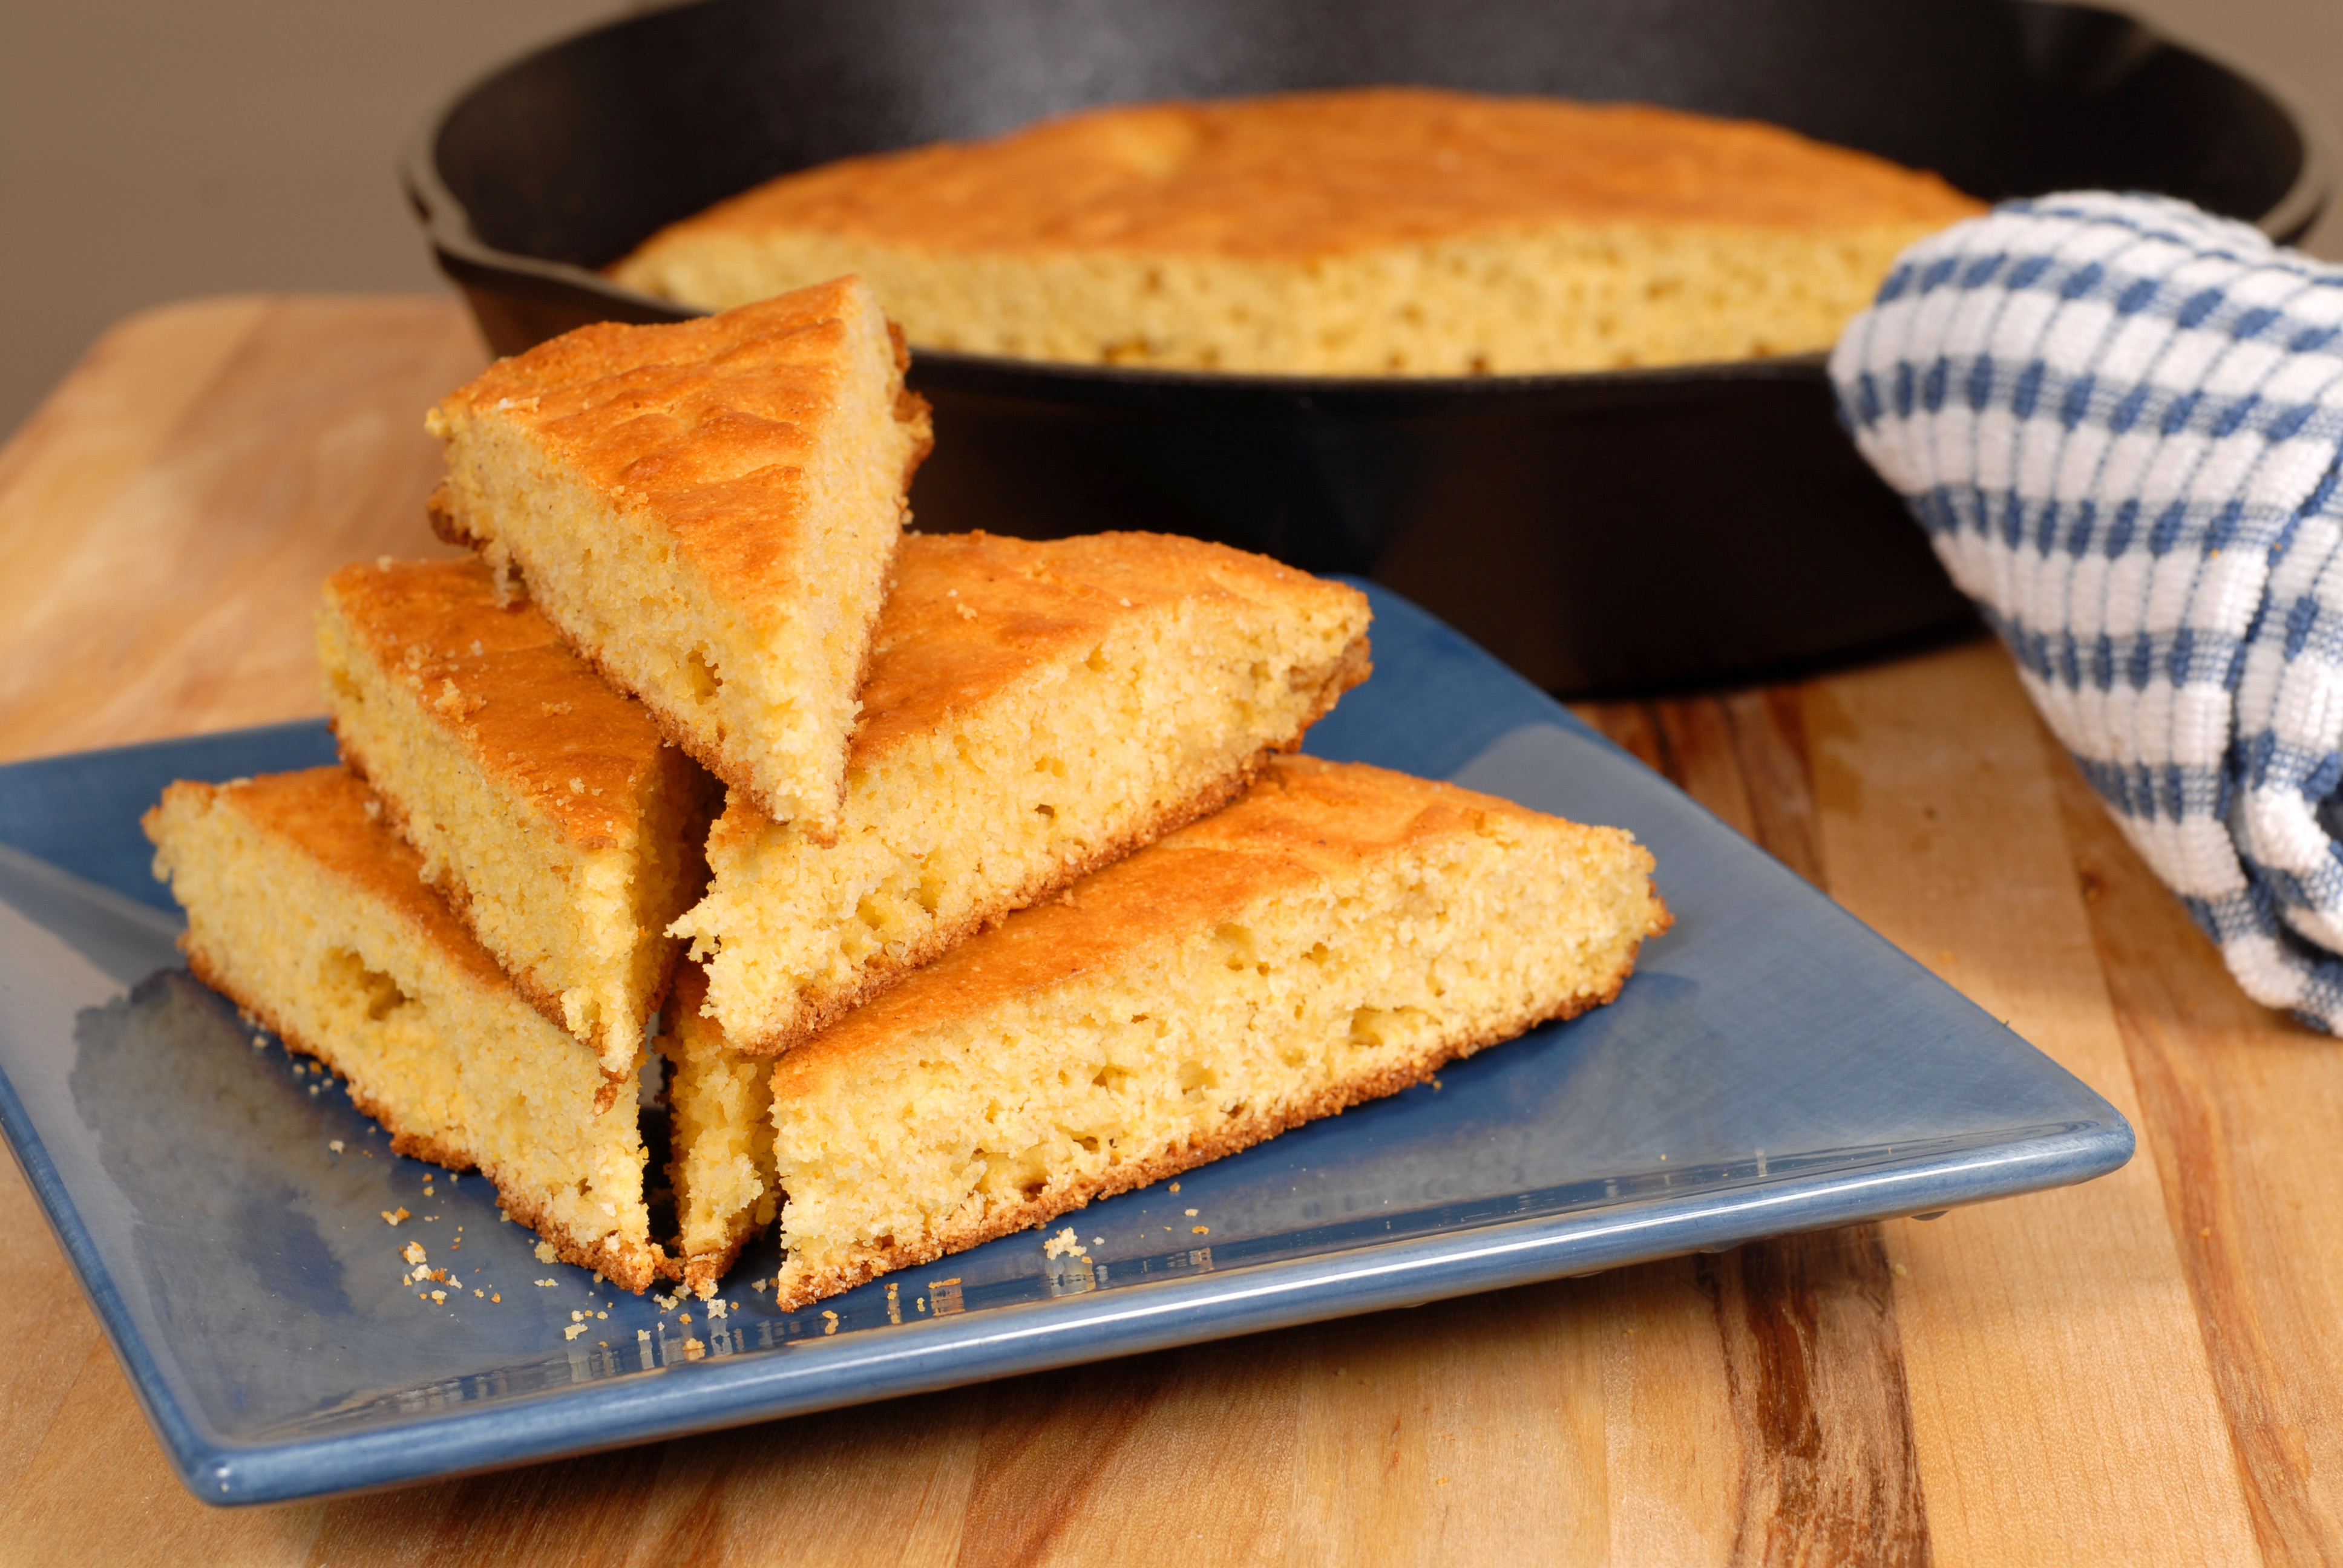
699, 430
500, 682
632, 1268
972, 614
1302, 820
973, 1228
1308, 174
700, 1273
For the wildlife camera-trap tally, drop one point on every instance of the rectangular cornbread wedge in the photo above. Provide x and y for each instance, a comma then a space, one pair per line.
707, 511
719, 1115
1034, 710
310, 914
548, 807
1337, 933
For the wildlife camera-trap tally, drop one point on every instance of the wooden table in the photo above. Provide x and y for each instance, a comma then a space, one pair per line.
2145, 1368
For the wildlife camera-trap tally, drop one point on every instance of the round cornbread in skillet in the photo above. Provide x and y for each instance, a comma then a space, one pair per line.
1336, 934
1365, 232
1034, 711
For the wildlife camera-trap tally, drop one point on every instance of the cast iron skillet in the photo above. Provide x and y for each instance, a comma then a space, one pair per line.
1604, 533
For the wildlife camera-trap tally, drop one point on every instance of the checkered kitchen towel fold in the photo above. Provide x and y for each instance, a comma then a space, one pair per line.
2119, 421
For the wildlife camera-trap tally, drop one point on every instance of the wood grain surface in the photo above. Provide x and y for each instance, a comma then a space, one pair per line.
2145, 1369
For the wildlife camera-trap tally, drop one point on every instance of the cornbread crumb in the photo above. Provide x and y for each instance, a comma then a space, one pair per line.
334, 1144
1063, 1243
414, 1252
1199, 1230
1361, 232
393, 1218
546, 1253
573, 1331
693, 1350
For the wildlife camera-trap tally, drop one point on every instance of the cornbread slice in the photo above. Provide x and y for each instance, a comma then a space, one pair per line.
719, 1111
307, 912
1365, 232
1336, 934
706, 511
548, 807
1034, 710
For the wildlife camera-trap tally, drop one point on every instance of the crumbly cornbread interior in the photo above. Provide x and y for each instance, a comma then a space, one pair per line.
1378, 231
548, 808
1034, 709
311, 915
706, 511
719, 1109
1336, 934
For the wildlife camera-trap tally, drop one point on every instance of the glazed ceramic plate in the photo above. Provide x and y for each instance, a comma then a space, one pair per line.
1773, 1065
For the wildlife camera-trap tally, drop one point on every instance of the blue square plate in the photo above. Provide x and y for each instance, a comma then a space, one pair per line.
1773, 1066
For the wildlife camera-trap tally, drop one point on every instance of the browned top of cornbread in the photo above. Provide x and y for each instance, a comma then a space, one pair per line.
969, 614
537, 718
702, 429
1303, 821
1314, 174
323, 812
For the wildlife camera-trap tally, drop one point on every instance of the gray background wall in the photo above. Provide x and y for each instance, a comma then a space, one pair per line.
155, 149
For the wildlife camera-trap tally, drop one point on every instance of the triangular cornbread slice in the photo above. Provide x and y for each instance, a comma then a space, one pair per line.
1336, 934
548, 808
706, 511
719, 1109
307, 911
1034, 710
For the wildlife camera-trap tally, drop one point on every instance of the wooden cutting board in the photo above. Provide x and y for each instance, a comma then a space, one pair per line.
2148, 1368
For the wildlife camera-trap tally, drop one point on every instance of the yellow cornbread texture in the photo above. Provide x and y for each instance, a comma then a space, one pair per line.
548, 807
706, 511
720, 1107
1034, 710
1336, 934
1378, 231
311, 915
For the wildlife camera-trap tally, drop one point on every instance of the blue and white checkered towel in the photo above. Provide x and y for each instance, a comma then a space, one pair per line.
2119, 420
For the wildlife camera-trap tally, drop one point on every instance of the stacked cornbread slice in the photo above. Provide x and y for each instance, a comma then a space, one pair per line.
548, 807
1336, 934
310, 912
1034, 710
706, 511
